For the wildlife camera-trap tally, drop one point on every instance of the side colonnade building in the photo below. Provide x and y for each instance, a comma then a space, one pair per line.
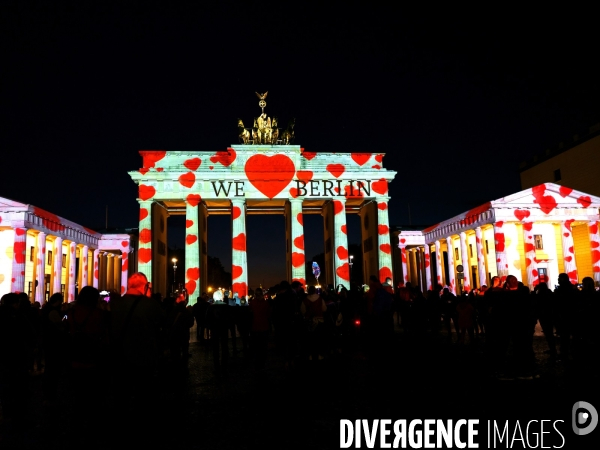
534, 234
42, 254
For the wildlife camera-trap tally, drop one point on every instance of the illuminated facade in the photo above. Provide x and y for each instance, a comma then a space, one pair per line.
263, 179
41, 254
534, 235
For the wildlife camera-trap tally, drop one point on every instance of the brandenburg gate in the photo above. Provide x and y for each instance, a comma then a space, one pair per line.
265, 174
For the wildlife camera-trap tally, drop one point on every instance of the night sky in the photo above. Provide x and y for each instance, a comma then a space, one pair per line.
456, 100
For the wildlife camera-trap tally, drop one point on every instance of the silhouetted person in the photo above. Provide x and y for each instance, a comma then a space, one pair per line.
199, 310
449, 302
566, 297
218, 320
54, 344
545, 309
261, 317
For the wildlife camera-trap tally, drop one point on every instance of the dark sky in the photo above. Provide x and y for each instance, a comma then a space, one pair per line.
456, 99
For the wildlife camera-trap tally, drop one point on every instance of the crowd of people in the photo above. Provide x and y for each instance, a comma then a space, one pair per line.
121, 343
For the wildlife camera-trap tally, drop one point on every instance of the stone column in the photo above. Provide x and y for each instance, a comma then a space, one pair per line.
451, 276
529, 250
438, 262
192, 251
117, 272
239, 269
110, 270
145, 239
124, 271
71, 272
427, 264
500, 247
18, 262
568, 250
464, 260
297, 244
480, 257
83, 266
595, 250
57, 269
402, 247
39, 268
96, 268
385, 248
340, 244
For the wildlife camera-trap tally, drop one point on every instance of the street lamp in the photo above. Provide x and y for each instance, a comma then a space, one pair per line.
350, 264
174, 261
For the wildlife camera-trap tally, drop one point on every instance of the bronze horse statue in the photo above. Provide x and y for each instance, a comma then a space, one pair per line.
243, 133
287, 137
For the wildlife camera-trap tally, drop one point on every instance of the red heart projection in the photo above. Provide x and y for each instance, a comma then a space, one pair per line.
309, 155
529, 247
527, 226
594, 228
304, 175
336, 169
565, 191
270, 174
566, 234
568, 224
193, 273
145, 236
379, 158
20, 231
356, 193
193, 199
190, 286
236, 212
146, 192
294, 192
143, 213
236, 271
568, 258
382, 206
124, 264
595, 256
570, 249
225, 157
383, 229
124, 244
521, 214
189, 223
376, 167
385, 248
299, 242
239, 242
384, 273
187, 179
151, 157
500, 241
240, 288
547, 202
190, 239
144, 171
380, 186
573, 276
584, 201
144, 255
300, 219
19, 251
159, 169
338, 207
342, 252
344, 229
193, 164
343, 271
211, 167
360, 158
297, 259
594, 244
403, 241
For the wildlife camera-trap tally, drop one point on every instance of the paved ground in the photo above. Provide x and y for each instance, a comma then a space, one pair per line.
424, 377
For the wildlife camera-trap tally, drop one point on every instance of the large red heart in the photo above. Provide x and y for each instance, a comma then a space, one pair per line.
383, 229
336, 169
521, 214
19, 251
190, 286
193, 273
360, 158
240, 288
343, 271
270, 174
144, 255
143, 213
146, 192
564, 191
190, 239
239, 242
189, 223
20, 231
150, 157
297, 259
382, 206
236, 212
380, 186
342, 252
236, 271
145, 236
385, 248
225, 157
299, 241
193, 199
193, 163
187, 179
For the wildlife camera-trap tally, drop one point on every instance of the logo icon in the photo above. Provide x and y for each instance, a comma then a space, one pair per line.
584, 418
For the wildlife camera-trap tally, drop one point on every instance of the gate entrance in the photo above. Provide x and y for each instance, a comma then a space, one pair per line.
255, 177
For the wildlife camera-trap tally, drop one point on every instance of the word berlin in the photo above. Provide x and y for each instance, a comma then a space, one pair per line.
312, 188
